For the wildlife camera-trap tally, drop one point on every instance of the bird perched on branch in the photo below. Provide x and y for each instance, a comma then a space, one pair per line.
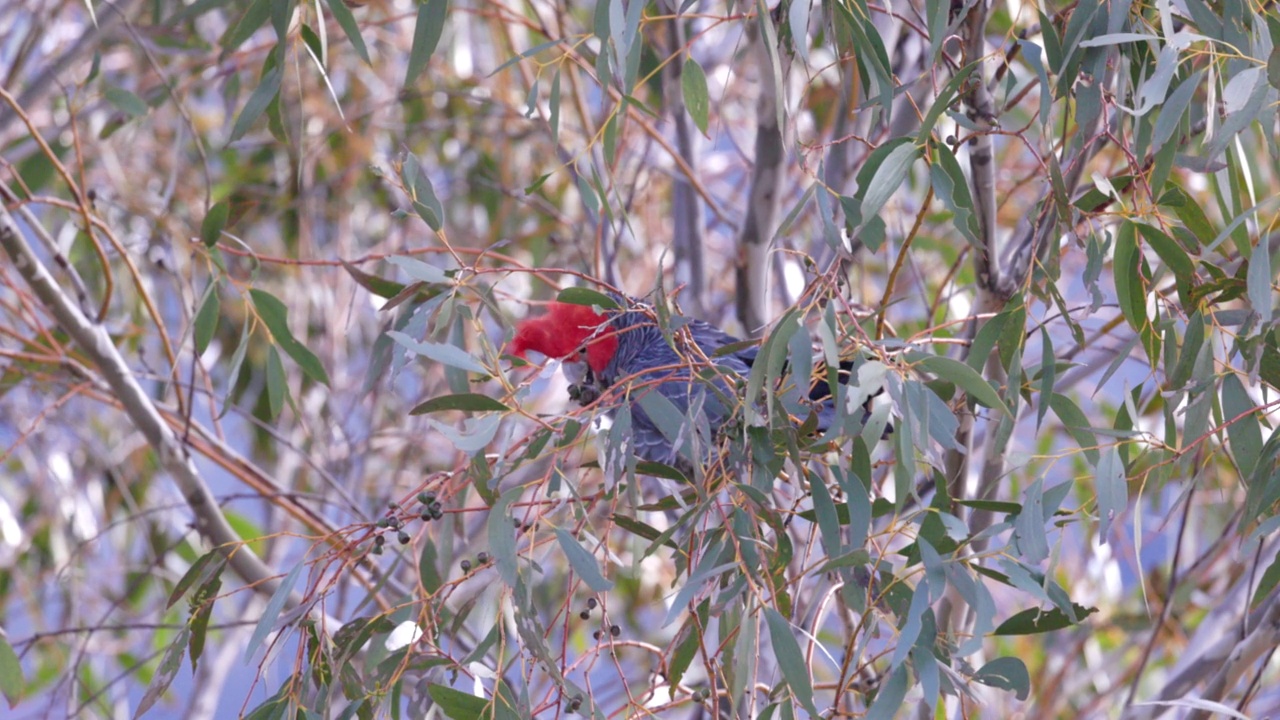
701, 368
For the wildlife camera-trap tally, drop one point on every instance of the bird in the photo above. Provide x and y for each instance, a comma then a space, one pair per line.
623, 348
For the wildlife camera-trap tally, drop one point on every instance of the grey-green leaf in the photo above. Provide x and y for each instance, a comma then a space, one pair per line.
439, 352
272, 611
262, 96
787, 652
583, 562
1244, 433
348, 23
1258, 281
1006, 673
1112, 488
964, 377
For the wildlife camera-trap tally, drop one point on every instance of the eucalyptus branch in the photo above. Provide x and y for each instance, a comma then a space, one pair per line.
97, 344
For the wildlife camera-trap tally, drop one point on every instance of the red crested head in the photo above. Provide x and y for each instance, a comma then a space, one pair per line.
561, 333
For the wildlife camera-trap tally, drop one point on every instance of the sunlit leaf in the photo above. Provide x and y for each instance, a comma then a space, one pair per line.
693, 83
12, 682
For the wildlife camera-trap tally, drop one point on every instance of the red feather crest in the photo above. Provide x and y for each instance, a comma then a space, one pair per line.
561, 333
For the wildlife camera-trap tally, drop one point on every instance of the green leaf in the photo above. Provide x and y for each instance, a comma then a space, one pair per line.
660, 470
201, 613
1191, 214
209, 565
953, 190
888, 175
1035, 620
1244, 434
237, 363
553, 114
1266, 584
1006, 673
787, 653
277, 386
963, 376
471, 402
262, 96
888, 702
429, 567
1076, 424
949, 93
693, 83
11, 680
125, 101
276, 317
1048, 374
583, 562
426, 35
313, 44
253, 18
214, 222
272, 611
585, 296
1172, 254
458, 705
348, 23
1126, 270
381, 287
206, 322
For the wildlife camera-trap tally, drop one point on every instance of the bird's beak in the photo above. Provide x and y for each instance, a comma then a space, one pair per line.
575, 371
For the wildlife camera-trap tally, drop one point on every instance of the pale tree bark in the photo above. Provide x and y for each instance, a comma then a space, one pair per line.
686, 209
760, 216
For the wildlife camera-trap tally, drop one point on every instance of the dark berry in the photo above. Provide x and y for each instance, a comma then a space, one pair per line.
585, 614
466, 566
591, 603
615, 630
404, 538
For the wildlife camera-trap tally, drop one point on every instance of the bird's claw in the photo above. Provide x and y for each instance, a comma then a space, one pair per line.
583, 394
